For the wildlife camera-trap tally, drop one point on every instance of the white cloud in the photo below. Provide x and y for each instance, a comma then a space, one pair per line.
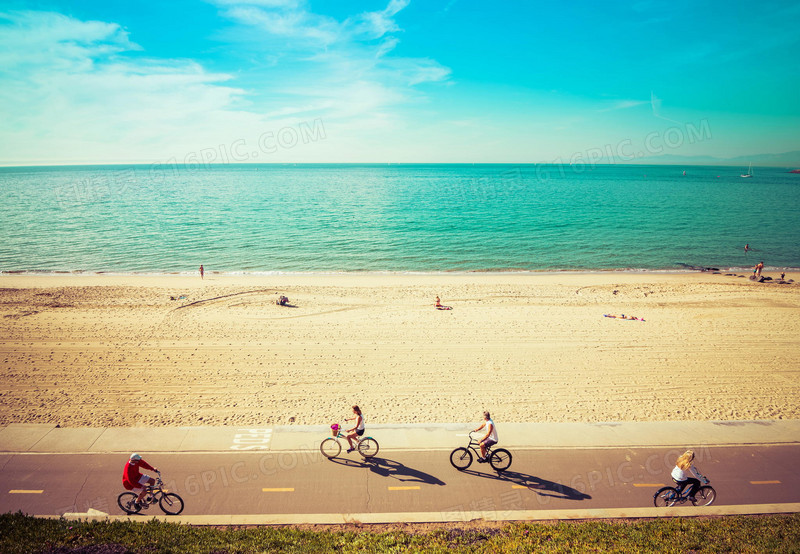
83, 91
386, 46
32, 37
623, 105
350, 58
264, 3
68, 92
380, 23
292, 24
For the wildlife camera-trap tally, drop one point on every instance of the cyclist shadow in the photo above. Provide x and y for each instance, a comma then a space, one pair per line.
391, 468
540, 486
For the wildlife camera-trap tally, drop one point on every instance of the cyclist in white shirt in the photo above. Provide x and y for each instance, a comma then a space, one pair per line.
356, 431
686, 474
489, 438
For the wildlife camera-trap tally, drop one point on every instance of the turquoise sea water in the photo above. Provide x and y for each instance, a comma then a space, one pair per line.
397, 218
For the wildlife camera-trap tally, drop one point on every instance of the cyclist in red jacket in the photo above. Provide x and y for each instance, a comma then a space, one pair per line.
134, 480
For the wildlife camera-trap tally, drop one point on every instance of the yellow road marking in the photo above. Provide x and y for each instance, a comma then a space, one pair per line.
765, 482
648, 484
279, 489
404, 488
23, 491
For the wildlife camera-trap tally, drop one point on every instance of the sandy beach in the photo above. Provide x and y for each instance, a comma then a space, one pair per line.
104, 350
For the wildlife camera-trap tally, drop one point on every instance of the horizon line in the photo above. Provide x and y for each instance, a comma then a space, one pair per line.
194, 166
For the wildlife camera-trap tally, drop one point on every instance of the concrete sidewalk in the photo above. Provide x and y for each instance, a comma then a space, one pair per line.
42, 438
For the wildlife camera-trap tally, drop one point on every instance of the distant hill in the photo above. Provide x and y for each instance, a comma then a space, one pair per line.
786, 159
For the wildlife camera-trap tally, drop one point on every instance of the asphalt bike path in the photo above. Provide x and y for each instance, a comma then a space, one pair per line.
276, 475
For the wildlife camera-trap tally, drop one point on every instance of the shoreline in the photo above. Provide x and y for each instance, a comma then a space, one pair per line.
792, 271
288, 280
175, 350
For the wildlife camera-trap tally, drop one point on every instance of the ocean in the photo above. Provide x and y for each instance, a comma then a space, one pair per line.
395, 218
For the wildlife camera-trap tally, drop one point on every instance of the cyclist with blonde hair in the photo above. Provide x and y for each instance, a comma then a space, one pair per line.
685, 473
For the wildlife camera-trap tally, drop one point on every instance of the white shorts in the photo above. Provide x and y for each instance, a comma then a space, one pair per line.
144, 480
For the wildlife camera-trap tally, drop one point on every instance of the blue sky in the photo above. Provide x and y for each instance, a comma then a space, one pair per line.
395, 81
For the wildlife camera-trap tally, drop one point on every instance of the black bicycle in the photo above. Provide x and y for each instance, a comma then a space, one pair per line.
461, 458
669, 496
170, 503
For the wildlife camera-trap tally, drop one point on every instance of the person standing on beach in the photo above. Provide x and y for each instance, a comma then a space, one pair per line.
202, 271
758, 268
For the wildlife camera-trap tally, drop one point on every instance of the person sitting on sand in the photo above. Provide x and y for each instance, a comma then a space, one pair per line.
439, 306
356, 431
490, 438
282, 301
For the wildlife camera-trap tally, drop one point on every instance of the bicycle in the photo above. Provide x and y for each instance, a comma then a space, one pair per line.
461, 458
669, 496
170, 503
331, 447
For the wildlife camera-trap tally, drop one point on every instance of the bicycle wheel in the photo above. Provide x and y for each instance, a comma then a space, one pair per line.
127, 502
330, 447
666, 496
461, 458
705, 496
368, 447
500, 459
171, 503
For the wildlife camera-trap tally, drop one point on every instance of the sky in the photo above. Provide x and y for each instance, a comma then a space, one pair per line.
402, 81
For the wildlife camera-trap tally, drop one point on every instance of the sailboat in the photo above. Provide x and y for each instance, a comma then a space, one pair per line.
749, 171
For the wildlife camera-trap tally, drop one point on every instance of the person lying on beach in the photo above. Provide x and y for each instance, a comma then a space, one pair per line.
623, 316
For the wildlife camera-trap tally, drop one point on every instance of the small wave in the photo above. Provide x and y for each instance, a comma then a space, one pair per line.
491, 271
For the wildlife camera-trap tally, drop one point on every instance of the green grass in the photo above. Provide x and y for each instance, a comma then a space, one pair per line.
774, 533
